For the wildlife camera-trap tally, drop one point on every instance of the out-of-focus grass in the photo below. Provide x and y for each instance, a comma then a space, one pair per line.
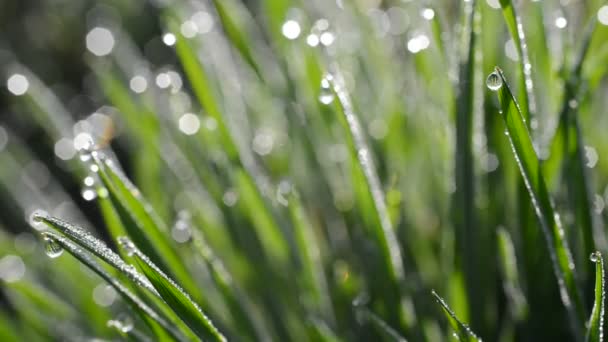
310, 170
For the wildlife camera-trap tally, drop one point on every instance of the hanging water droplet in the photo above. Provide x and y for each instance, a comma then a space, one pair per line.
123, 323
126, 244
595, 256
35, 218
326, 96
52, 248
89, 194
94, 168
89, 181
126, 322
494, 81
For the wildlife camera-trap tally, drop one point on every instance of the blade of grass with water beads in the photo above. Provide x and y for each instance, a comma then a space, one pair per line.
549, 220
461, 331
175, 297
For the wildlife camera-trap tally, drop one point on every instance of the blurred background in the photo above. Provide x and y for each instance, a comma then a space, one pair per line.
114, 72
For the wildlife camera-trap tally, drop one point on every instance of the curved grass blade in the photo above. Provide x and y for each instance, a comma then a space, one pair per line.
529, 166
150, 316
462, 331
362, 160
99, 248
233, 297
140, 220
595, 332
175, 297
566, 151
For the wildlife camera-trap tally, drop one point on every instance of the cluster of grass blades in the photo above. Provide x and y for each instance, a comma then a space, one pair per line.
313, 171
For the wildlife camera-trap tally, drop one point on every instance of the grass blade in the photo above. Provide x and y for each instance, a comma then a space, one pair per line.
595, 332
139, 219
175, 297
139, 306
525, 69
97, 247
529, 166
462, 331
362, 163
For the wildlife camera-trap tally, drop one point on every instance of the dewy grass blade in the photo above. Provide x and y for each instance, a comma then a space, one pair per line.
233, 297
175, 297
139, 219
595, 331
97, 247
516, 30
462, 331
138, 305
529, 166
384, 232
567, 151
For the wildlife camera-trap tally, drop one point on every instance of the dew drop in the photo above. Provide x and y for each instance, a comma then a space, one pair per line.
126, 244
89, 194
89, 181
494, 82
595, 256
35, 218
52, 248
126, 322
326, 96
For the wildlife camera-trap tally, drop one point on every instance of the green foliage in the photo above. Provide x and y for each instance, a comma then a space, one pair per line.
309, 171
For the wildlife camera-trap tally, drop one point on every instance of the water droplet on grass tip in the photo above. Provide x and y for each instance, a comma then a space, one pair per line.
35, 218
494, 82
52, 248
595, 256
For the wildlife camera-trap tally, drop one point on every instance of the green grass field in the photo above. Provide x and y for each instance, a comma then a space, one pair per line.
283, 170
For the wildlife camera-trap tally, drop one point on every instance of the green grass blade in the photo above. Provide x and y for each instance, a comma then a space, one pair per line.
97, 247
138, 305
362, 152
595, 331
462, 331
549, 220
463, 210
380, 324
140, 220
510, 275
516, 31
175, 297
232, 296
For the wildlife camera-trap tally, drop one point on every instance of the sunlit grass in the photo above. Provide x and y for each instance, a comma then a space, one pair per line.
313, 170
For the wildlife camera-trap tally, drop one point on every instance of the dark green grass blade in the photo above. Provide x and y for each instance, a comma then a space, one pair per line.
175, 297
525, 86
372, 195
529, 166
232, 295
462, 331
567, 155
380, 324
595, 331
467, 236
150, 316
